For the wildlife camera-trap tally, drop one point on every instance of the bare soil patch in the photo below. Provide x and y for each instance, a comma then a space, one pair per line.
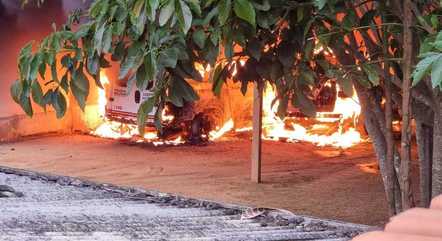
322, 182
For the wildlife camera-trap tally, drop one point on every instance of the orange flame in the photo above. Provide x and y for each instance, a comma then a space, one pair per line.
116, 130
216, 134
274, 128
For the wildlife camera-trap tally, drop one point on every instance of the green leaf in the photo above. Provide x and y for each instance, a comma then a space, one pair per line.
434, 21
194, 6
282, 107
168, 57
93, 66
66, 61
16, 90
215, 36
276, 71
150, 65
118, 53
139, 21
180, 91
166, 12
349, 20
423, 67
426, 46
184, 15
34, 66
42, 68
157, 120
54, 72
37, 93
24, 61
118, 28
305, 104
80, 87
59, 104
308, 26
299, 14
368, 17
199, 38
320, 4
372, 75
151, 9
98, 38
138, 6
308, 77
64, 83
82, 31
189, 71
209, 16
218, 78
265, 6
308, 50
436, 72
142, 80
130, 84
56, 42
210, 53
345, 84
107, 40
245, 10
225, 8
25, 103
47, 98
244, 85
143, 111
254, 48
437, 43
134, 53
286, 55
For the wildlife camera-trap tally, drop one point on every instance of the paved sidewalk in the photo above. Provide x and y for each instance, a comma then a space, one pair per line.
62, 208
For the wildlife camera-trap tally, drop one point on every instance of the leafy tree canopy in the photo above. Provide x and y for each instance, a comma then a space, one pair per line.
261, 40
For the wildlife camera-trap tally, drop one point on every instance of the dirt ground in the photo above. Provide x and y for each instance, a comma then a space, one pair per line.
322, 182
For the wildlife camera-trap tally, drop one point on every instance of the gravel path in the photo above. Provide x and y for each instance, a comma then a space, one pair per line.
63, 208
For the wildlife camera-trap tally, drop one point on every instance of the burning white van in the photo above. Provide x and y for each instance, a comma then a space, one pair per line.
124, 101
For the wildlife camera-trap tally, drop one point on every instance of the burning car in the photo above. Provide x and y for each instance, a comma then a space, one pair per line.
188, 122
336, 122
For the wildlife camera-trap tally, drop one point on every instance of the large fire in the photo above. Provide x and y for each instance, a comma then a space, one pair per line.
338, 134
345, 110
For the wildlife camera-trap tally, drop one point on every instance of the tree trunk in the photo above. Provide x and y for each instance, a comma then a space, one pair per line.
407, 196
389, 162
437, 150
397, 186
424, 118
424, 140
379, 143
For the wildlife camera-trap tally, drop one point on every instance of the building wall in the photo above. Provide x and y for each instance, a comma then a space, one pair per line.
17, 27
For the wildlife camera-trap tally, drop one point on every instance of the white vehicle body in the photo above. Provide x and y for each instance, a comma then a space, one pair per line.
124, 102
